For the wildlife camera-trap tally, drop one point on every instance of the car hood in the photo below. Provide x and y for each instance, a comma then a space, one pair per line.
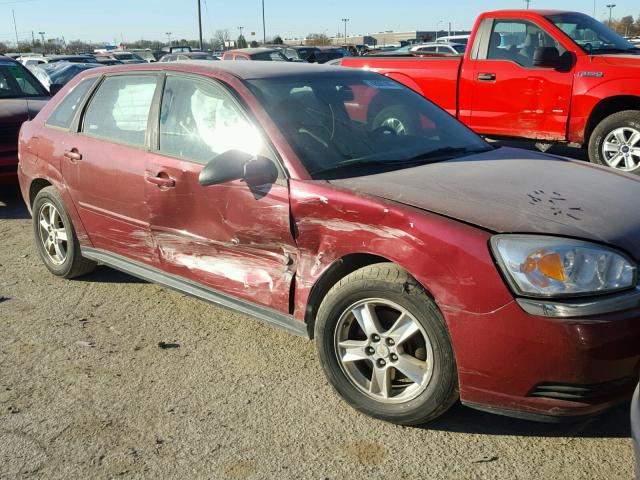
516, 191
621, 60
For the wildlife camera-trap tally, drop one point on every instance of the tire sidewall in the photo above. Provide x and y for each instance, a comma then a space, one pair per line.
629, 118
48, 195
400, 112
443, 379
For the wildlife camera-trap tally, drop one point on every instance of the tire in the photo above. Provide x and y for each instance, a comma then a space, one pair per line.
391, 293
399, 118
615, 142
56, 238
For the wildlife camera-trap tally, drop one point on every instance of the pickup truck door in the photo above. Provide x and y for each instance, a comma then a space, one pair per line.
509, 96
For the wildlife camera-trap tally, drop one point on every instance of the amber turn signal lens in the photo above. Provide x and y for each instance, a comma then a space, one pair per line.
548, 264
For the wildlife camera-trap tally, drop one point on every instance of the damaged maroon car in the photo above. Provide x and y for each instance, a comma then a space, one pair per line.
21, 98
428, 265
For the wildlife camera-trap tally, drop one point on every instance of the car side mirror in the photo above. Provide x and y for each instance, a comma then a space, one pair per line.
55, 88
546, 57
238, 165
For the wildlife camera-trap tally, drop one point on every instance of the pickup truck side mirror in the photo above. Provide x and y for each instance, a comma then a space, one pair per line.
238, 165
546, 57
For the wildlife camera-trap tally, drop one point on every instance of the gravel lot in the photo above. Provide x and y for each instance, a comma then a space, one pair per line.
86, 392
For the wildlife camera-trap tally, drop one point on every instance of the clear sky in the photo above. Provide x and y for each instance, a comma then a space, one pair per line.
107, 20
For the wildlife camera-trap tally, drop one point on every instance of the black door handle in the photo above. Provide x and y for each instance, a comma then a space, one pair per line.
487, 77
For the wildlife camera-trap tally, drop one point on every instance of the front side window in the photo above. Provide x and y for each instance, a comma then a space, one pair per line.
199, 120
119, 110
66, 110
348, 124
591, 35
518, 40
16, 81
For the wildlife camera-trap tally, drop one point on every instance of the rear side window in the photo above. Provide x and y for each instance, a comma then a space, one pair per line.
64, 113
119, 110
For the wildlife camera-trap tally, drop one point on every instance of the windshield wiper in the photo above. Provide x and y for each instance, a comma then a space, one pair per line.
436, 155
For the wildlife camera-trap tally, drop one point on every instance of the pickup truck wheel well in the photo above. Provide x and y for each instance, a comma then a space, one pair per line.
336, 272
37, 185
607, 107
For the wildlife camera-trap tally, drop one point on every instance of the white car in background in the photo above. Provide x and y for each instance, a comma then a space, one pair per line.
440, 48
28, 61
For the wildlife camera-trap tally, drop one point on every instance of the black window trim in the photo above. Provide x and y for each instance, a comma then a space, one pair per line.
96, 80
154, 122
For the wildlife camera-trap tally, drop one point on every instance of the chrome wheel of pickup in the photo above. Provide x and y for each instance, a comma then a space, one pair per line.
621, 149
384, 351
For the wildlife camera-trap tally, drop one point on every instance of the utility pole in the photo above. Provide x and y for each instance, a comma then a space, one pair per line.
240, 28
345, 20
42, 37
527, 2
264, 26
594, 8
200, 22
16, 29
610, 7
168, 34
33, 41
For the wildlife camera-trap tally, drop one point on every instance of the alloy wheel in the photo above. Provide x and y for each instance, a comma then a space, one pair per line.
396, 125
53, 234
384, 351
621, 149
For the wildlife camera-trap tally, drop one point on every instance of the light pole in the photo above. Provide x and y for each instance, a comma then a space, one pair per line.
264, 26
200, 22
345, 20
168, 34
42, 37
594, 8
610, 7
527, 2
438, 26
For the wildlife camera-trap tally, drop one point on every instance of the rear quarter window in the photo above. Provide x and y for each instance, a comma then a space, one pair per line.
63, 115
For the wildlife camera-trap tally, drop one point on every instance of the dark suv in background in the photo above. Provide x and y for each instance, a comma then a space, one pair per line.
21, 98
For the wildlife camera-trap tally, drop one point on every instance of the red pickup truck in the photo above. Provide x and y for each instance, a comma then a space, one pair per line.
547, 76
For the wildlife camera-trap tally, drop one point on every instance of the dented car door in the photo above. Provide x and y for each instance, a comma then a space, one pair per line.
233, 238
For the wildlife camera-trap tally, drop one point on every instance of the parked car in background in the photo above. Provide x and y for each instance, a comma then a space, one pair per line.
459, 39
124, 57
428, 267
260, 53
29, 60
298, 53
439, 48
107, 62
54, 76
70, 58
21, 98
177, 49
149, 56
325, 54
545, 76
177, 57
635, 427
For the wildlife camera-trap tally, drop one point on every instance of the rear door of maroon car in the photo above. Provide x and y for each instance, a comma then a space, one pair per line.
229, 237
104, 166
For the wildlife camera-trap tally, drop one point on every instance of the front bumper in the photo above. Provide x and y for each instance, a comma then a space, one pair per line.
514, 363
8, 167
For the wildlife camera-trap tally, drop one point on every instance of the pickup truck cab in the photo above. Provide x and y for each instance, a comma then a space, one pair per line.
547, 76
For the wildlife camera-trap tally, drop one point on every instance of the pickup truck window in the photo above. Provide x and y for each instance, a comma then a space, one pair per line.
518, 40
591, 35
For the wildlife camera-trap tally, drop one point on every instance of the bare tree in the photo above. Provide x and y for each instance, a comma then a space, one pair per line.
317, 39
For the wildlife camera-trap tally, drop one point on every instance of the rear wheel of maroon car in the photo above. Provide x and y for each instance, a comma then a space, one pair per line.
385, 347
56, 238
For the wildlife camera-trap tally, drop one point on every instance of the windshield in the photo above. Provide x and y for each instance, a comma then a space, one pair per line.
17, 82
459, 48
347, 124
127, 56
592, 36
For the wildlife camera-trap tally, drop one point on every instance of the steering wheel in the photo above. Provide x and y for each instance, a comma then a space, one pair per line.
385, 130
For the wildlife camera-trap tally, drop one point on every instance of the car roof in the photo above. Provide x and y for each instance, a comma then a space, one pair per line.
4, 58
534, 11
251, 51
240, 70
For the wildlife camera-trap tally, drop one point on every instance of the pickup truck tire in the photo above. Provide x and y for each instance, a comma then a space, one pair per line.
400, 119
385, 348
56, 238
615, 142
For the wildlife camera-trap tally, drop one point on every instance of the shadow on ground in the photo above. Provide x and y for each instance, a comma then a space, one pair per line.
12, 206
611, 424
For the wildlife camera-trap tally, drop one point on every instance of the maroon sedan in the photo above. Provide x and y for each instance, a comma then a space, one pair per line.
21, 98
428, 265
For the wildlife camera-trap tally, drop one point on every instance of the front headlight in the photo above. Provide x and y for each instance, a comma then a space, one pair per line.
542, 266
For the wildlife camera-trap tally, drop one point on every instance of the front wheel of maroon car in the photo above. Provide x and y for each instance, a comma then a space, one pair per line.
615, 142
56, 238
385, 347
